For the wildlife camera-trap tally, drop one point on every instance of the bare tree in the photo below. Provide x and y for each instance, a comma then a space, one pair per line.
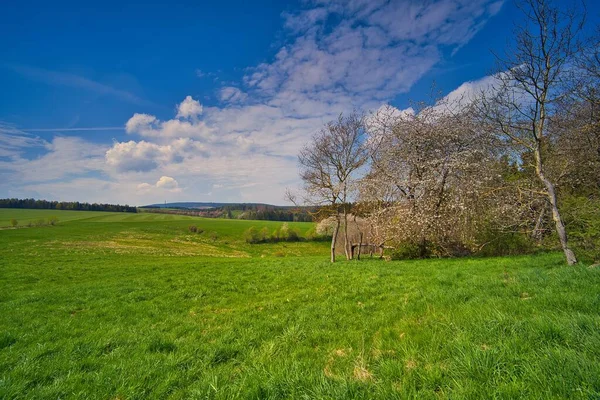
328, 168
528, 87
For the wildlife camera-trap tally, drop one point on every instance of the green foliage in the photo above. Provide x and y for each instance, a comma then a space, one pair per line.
494, 243
252, 235
53, 220
14, 222
286, 234
582, 219
406, 251
193, 228
275, 235
264, 234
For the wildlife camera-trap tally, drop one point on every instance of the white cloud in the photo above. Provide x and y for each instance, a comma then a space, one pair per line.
141, 156
140, 123
232, 94
164, 185
13, 141
144, 187
166, 182
337, 56
65, 157
189, 108
185, 124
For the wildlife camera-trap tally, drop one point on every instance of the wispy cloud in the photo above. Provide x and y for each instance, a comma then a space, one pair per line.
58, 78
14, 141
337, 56
95, 129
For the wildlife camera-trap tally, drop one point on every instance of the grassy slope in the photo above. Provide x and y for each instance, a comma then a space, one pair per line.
140, 309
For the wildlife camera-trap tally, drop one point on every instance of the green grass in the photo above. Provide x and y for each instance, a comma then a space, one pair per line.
106, 306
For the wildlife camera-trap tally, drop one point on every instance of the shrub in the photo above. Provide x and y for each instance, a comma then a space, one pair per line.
504, 244
293, 235
53, 220
582, 219
14, 222
252, 235
284, 231
264, 234
275, 235
40, 222
313, 235
193, 228
406, 250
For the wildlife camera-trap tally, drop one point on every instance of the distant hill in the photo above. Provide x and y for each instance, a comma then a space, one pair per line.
204, 206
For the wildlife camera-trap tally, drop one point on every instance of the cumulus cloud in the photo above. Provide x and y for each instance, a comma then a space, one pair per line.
142, 156
166, 182
163, 185
186, 123
141, 123
189, 108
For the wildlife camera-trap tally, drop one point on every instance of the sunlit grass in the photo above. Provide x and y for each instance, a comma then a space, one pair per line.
82, 319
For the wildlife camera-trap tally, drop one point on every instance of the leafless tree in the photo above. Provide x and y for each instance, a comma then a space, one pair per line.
529, 85
328, 167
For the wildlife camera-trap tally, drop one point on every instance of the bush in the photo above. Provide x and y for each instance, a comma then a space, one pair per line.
582, 219
275, 235
53, 220
288, 234
193, 228
252, 235
264, 235
14, 222
313, 235
505, 244
40, 222
293, 235
406, 250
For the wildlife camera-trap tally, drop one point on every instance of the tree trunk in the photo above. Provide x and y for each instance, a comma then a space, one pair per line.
360, 236
537, 230
334, 238
558, 222
346, 243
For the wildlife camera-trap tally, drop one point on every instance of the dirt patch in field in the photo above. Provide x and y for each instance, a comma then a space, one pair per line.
135, 243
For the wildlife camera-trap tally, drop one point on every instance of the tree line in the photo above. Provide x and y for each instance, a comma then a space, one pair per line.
64, 205
514, 165
243, 211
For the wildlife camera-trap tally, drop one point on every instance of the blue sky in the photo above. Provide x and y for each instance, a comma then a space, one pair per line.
130, 102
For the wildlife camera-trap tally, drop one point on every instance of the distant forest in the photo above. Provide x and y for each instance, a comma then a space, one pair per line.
242, 211
64, 205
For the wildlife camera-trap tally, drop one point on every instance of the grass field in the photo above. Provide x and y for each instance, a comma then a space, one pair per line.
127, 306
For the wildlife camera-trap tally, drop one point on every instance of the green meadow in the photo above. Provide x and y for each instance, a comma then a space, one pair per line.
135, 306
